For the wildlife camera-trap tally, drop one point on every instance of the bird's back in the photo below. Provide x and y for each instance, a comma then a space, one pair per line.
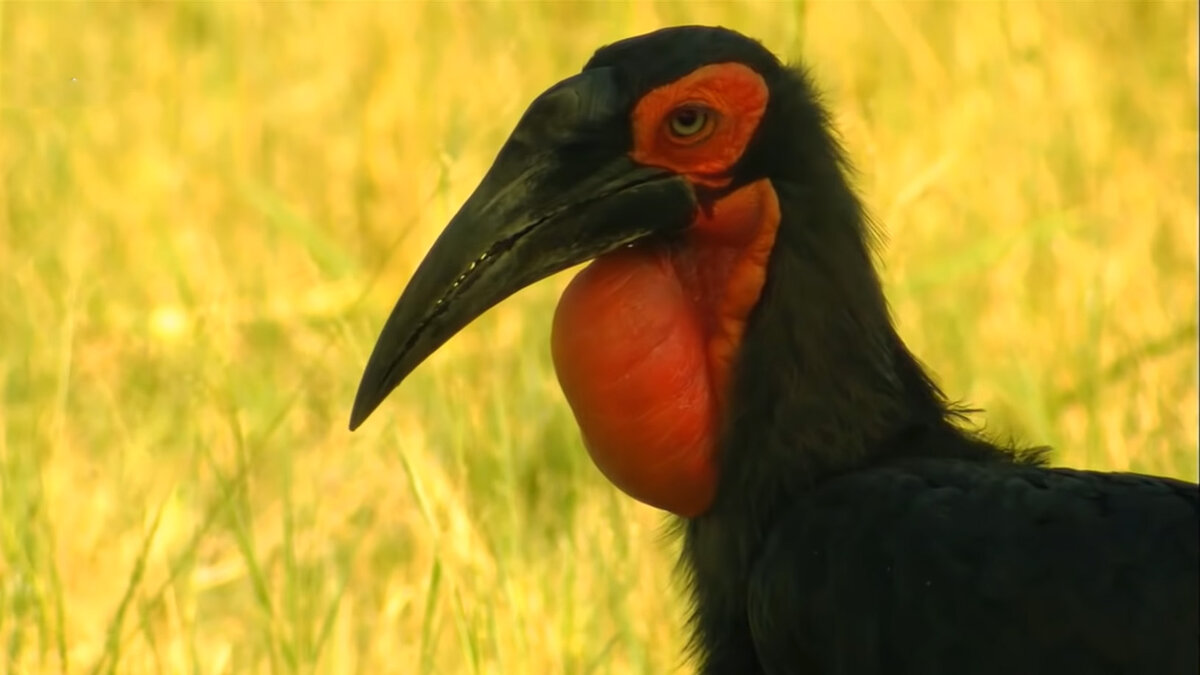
952, 566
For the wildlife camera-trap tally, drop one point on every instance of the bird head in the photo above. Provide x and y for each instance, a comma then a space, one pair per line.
653, 162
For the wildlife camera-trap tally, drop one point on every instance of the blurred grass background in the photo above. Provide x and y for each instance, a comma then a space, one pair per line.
207, 210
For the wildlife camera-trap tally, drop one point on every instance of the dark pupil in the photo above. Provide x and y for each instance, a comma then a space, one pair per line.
686, 118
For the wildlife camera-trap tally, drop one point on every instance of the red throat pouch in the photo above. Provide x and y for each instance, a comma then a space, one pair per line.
644, 341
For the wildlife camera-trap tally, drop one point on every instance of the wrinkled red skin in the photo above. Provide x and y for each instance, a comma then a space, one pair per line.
630, 356
643, 344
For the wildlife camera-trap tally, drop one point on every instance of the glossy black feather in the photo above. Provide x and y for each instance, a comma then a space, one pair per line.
948, 566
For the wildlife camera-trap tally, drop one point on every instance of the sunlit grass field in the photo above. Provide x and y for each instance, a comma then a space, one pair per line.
207, 210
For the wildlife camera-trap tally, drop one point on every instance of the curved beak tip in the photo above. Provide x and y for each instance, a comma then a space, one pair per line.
357, 417
365, 403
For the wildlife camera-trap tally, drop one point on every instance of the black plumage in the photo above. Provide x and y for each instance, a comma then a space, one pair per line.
859, 526
951, 566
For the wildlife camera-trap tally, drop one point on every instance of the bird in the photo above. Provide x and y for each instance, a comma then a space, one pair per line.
729, 357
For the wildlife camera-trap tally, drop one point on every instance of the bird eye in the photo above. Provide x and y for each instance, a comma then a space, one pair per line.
689, 121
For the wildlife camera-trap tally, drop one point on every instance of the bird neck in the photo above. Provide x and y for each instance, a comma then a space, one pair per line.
823, 382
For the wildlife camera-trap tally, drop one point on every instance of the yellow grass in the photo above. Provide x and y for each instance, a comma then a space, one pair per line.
207, 209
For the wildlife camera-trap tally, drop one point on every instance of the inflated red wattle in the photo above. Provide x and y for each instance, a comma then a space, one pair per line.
644, 342
630, 353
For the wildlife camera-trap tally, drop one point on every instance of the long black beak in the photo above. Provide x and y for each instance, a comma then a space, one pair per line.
562, 191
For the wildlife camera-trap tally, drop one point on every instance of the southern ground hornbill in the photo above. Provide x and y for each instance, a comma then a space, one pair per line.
729, 357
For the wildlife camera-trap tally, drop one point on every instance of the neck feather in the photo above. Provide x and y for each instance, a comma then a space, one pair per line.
823, 382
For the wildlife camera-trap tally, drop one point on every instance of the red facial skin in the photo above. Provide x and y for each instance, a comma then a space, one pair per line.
645, 337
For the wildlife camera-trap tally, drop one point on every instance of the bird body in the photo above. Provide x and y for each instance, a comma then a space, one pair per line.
960, 566
729, 357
